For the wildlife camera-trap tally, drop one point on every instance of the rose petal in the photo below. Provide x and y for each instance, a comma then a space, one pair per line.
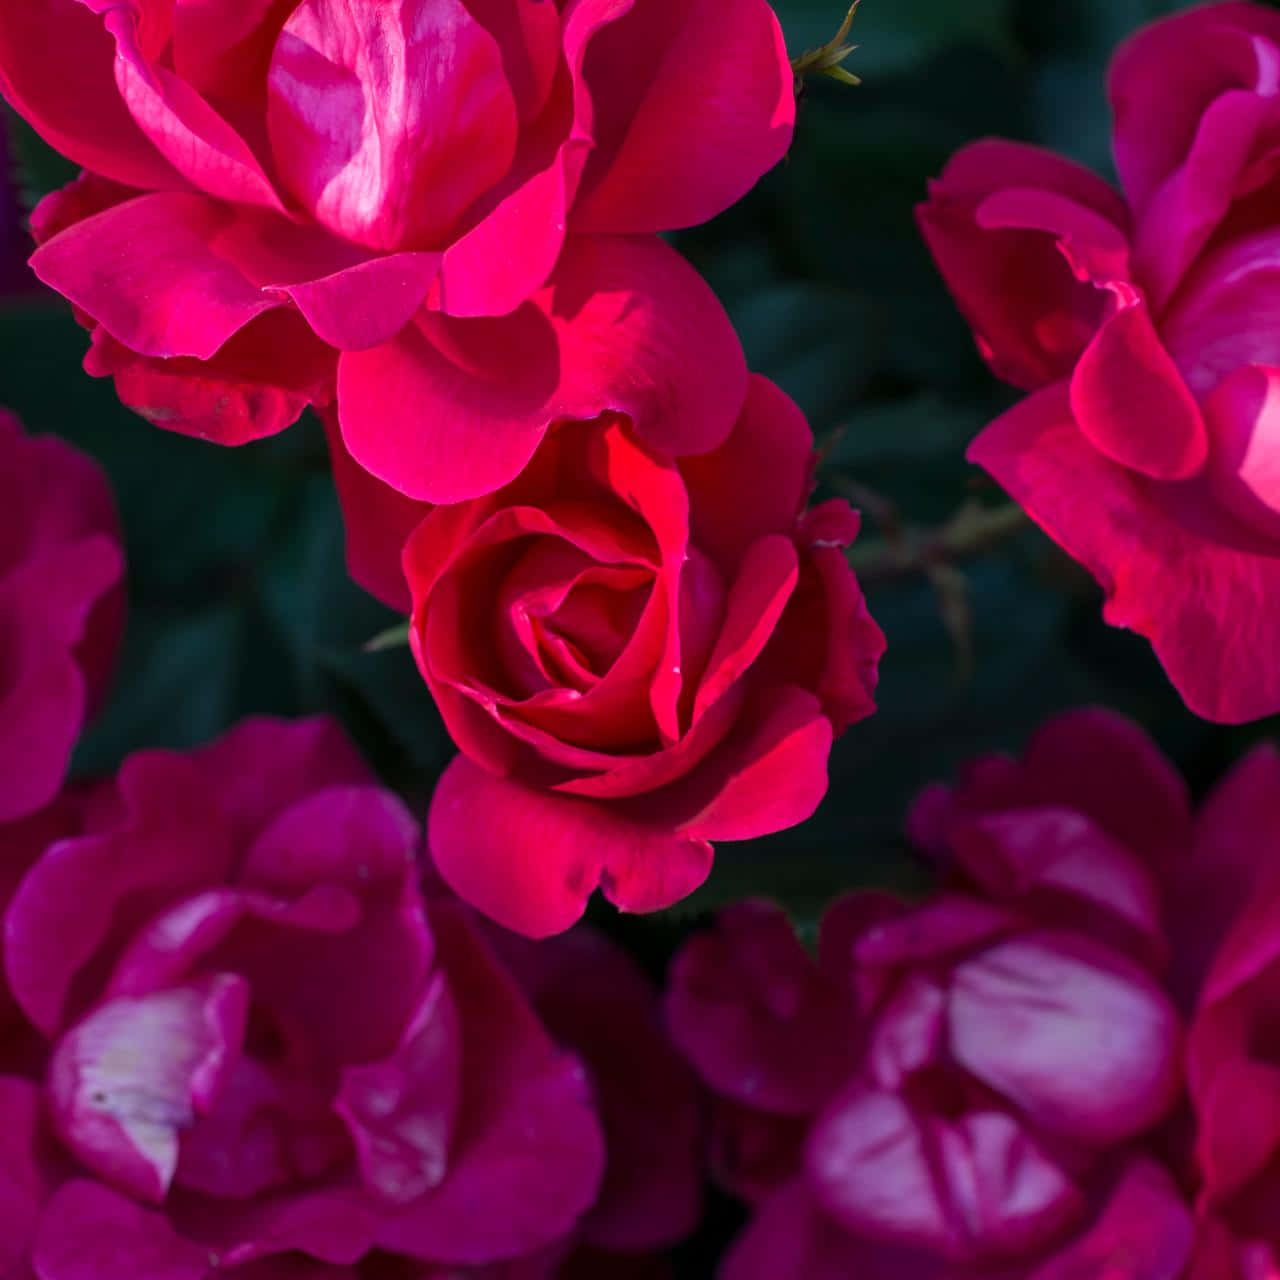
88, 1232
679, 137
387, 121
150, 273
1199, 594
450, 409
530, 859
1129, 399
91, 126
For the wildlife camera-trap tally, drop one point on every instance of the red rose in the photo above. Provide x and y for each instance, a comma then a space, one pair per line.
637, 654
1145, 325
269, 185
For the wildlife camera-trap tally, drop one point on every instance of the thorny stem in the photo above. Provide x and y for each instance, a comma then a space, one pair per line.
828, 59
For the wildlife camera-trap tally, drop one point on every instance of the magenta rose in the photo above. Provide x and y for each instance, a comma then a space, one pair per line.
61, 608
266, 1051
1144, 325
637, 654
388, 188
1007, 1047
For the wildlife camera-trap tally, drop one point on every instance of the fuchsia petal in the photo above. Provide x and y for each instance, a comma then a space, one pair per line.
89, 1232
191, 135
149, 272
378, 521
1086, 1045
756, 482
450, 408
91, 126
680, 136
527, 1136
531, 859
1207, 598
401, 1112
127, 1080
1145, 1232
1129, 399
387, 121
641, 333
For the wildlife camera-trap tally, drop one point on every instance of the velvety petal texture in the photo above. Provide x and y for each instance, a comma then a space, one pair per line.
61, 609
634, 662
1145, 325
264, 1045
419, 186
984, 1083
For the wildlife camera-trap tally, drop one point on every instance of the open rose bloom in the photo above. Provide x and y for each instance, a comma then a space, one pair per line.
985, 1085
1145, 326
638, 654
61, 609
263, 1045
280, 194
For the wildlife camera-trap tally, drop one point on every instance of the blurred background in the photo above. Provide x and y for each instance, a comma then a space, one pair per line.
239, 601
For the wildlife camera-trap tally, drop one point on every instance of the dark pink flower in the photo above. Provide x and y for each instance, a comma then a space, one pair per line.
61, 608
637, 654
971, 1078
264, 1046
1145, 327
398, 190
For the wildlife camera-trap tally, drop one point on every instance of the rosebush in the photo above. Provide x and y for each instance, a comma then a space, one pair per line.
635, 657
283, 194
61, 608
263, 1040
1144, 325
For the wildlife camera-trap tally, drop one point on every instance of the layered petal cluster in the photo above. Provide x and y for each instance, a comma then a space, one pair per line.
61, 609
1144, 325
992, 1084
280, 193
637, 653
265, 1052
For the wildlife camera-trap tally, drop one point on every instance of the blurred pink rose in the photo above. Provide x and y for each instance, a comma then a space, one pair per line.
61, 608
980, 1078
1145, 326
278, 192
265, 1048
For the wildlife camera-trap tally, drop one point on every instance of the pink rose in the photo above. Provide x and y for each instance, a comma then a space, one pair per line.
265, 1049
993, 1057
388, 188
637, 654
61, 608
1145, 327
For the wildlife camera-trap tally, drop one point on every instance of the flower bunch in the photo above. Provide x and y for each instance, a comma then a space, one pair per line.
1057, 1064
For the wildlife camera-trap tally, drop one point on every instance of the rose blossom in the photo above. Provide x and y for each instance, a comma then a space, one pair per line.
637, 654
61, 608
273, 191
1006, 1045
265, 1048
1145, 327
